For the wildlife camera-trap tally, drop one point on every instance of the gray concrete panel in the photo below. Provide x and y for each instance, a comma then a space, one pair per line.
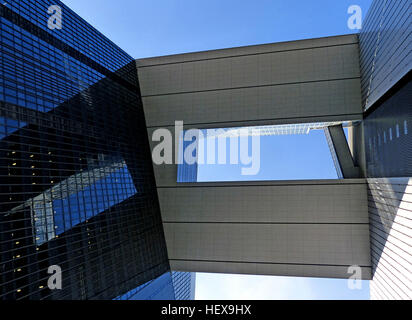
292, 81
295, 228
315, 245
287, 270
258, 203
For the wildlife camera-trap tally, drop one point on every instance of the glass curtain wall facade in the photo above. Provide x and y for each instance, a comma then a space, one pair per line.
169, 286
77, 188
388, 134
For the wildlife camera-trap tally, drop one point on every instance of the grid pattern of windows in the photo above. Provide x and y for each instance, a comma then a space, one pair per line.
76, 181
387, 138
184, 285
385, 48
75, 32
388, 149
160, 288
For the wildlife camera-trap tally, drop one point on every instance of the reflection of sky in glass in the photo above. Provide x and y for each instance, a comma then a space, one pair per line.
92, 200
62, 71
8, 126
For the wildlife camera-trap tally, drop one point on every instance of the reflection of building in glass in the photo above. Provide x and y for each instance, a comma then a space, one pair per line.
77, 188
386, 154
274, 130
58, 210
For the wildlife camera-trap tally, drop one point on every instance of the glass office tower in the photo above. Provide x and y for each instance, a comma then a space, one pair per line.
77, 187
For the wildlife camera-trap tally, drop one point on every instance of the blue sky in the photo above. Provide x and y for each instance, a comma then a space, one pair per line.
146, 28
286, 157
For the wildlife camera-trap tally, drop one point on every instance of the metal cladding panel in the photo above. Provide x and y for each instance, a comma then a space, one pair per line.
311, 247
388, 153
385, 56
268, 269
323, 201
300, 228
390, 209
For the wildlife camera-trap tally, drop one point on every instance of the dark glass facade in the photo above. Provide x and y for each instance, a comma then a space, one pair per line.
77, 188
384, 48
388, 133
184, 285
